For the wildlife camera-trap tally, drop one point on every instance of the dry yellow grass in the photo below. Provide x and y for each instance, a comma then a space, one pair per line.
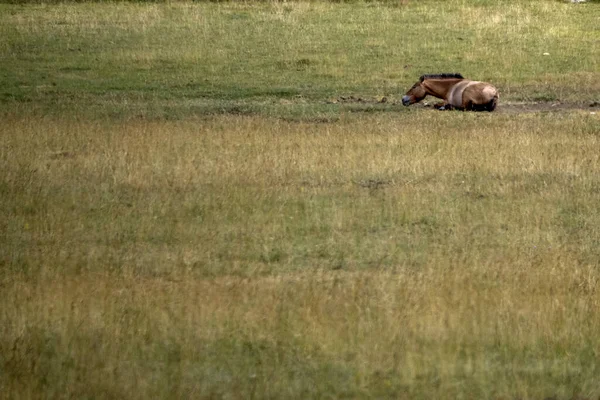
434, 334
414, 255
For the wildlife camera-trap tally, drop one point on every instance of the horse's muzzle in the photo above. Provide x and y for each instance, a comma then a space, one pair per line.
406, 100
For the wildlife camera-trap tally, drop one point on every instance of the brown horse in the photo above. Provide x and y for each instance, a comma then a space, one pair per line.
456, 91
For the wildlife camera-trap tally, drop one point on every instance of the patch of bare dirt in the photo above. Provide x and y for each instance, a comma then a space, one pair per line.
359, 100
503, 107
524, 107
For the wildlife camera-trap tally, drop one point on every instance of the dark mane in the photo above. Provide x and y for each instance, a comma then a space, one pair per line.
441, 76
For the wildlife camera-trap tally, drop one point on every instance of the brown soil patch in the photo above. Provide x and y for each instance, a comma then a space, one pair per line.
503, 107
516, 107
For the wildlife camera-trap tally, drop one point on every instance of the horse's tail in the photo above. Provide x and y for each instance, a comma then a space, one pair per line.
491, 105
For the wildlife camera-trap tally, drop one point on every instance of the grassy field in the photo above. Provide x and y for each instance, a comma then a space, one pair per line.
205, 200
286, 59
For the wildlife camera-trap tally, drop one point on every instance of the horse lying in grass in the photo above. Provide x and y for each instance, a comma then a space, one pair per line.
456, 91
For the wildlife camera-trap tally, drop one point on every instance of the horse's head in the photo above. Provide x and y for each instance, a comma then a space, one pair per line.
434, 84
416, 93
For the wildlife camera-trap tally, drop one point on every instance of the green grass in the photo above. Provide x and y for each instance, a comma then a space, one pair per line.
203, 200
181, 59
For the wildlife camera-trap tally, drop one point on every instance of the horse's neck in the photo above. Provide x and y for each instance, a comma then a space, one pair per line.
439, 87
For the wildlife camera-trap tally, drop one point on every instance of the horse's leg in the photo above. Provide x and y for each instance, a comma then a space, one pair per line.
442, 106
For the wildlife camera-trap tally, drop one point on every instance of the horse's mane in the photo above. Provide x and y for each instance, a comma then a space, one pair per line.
441, 76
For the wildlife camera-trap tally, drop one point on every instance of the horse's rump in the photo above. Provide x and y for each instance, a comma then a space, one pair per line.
472, 93
455, 95
489, 92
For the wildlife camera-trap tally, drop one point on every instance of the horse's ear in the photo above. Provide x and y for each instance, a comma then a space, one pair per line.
422, 78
